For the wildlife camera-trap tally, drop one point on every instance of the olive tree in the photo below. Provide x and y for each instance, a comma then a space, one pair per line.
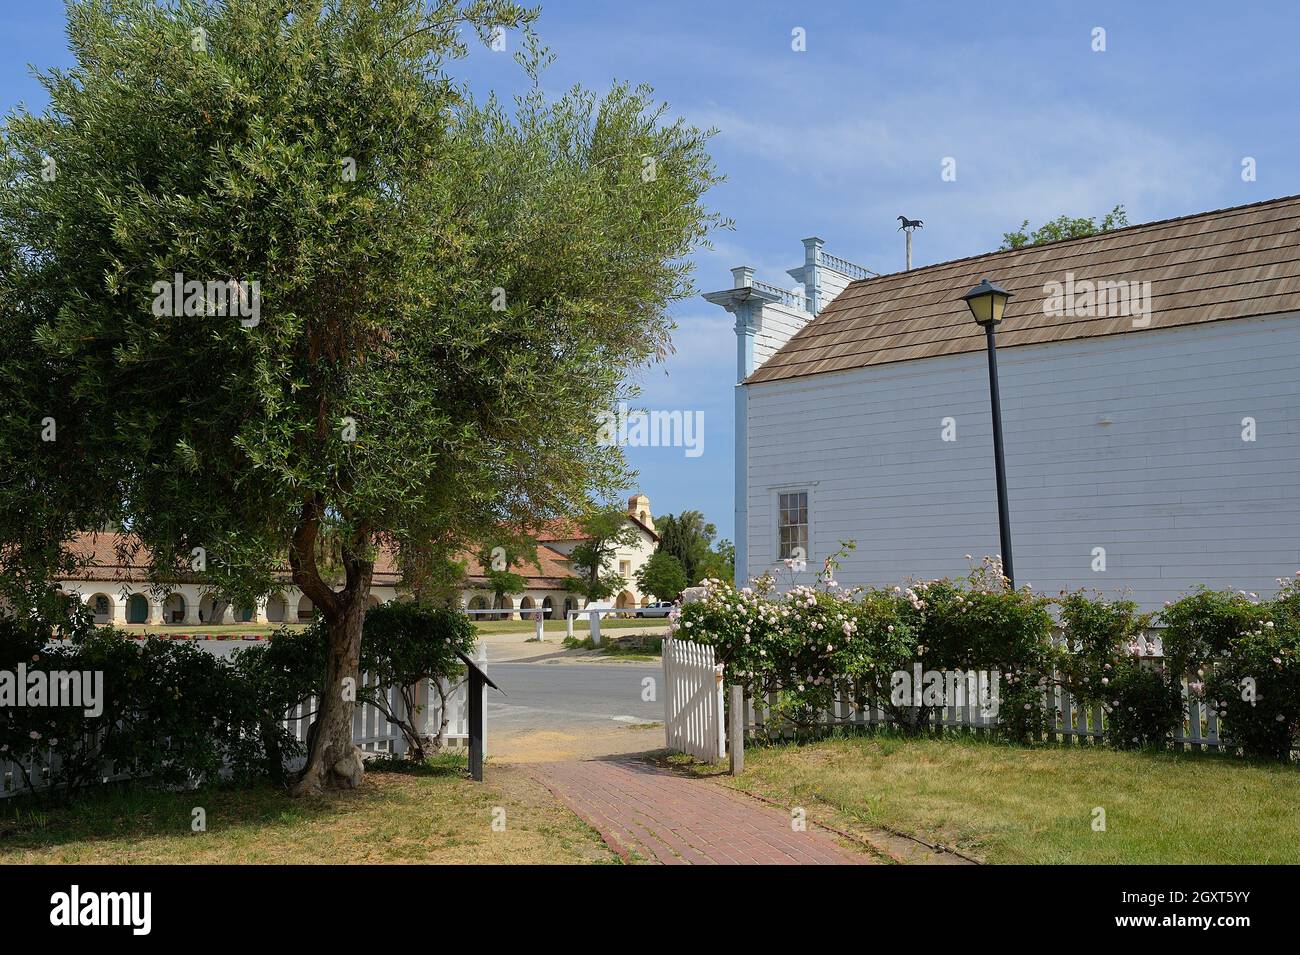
277, 290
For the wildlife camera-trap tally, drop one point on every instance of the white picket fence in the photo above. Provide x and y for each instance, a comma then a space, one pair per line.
375, 735
693, 716
371, 731
1074, 721
693, 713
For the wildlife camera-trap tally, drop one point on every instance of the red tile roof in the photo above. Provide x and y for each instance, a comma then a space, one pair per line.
119, 557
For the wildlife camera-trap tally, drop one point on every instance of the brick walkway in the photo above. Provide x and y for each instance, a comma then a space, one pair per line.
661, 816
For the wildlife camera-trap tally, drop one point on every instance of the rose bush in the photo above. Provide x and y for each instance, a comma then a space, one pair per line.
803, 647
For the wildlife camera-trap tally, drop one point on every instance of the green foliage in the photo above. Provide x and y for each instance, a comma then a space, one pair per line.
481, 253
605, 530
172, 713
499, 557
810, 645
1254, 682
1101, 663
1203, 625
662, 576
1063, 227
404, 643
436, 295
980, 623
1098, 635
269, 683
435, 574
688, 537
1142, 705
720, 562
176, 714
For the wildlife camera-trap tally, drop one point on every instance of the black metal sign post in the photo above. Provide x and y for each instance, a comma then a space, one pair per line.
478, 680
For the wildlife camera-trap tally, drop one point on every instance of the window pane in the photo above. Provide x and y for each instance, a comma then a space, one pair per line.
792, 523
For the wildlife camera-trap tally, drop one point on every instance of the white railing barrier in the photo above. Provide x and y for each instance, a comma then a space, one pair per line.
593, 615
693, 704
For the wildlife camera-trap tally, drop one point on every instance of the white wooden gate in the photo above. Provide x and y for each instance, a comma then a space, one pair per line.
693, 713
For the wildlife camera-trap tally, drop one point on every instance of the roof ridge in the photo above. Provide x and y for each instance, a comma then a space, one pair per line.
1077, 238
1221, 264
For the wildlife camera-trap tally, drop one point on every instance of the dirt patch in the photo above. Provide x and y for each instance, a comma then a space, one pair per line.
550, 745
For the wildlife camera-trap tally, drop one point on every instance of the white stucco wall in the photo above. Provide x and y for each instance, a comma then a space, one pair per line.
282, 607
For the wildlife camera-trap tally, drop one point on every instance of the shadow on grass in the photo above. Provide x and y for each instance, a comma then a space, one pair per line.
134, 810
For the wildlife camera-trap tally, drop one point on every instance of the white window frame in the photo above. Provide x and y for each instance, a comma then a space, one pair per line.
808, 488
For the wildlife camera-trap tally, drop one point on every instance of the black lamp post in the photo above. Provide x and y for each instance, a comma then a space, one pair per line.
987, 302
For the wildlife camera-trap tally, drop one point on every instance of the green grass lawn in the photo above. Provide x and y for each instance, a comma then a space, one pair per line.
649, 647
483, 626
557, 626
1012, 804
430, 814
225, 629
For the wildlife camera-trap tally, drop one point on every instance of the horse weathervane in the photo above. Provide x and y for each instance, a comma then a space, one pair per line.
909, 226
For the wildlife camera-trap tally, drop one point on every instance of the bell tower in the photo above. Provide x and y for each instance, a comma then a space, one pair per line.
638, 506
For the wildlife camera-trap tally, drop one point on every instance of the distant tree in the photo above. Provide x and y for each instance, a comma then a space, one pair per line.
605, 532
500, 557
1063, 227
720, 562
687, 537
662, 575
435, 575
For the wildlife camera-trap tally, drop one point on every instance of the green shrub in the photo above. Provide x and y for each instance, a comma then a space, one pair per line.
1203, 626
979, 623
1142, 706
404, 643
808, 645
174, 714
271, 682
165, 710
1101, 663
1254, 682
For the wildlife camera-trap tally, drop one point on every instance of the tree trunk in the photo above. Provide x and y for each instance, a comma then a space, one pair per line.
333, 760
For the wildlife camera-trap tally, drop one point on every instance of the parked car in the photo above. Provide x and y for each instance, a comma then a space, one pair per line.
658, 609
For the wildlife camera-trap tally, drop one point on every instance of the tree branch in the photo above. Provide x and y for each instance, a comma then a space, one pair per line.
302, 560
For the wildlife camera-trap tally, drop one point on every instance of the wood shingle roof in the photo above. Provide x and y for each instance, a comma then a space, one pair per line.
1231, 263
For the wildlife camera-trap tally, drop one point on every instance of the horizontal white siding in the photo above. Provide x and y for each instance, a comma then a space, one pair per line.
833, 283
776, 326
1169, 489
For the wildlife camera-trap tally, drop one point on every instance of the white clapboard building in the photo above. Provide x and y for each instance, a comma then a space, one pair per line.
1150, 382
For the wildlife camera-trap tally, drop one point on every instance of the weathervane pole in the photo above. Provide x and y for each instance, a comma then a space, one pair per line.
907, 228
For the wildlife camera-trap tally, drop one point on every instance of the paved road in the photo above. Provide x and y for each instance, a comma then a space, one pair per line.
557, 710
571, 695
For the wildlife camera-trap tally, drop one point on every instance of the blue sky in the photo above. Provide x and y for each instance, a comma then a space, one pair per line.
839, 139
